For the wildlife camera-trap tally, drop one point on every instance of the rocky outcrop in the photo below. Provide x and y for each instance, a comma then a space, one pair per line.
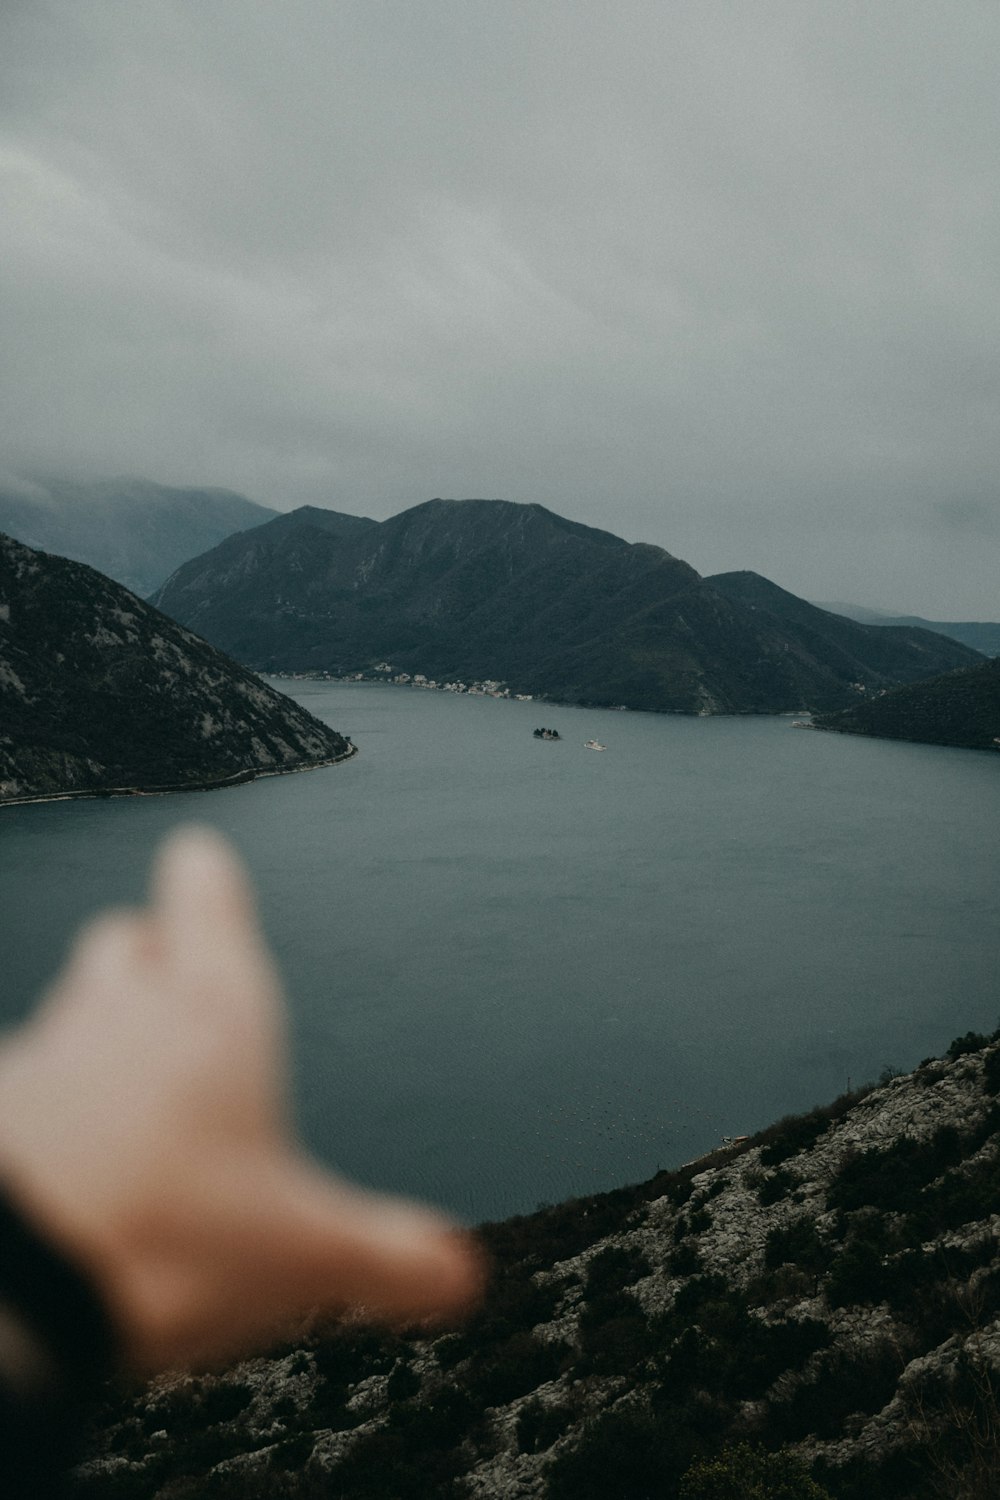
101, 693
832, 1285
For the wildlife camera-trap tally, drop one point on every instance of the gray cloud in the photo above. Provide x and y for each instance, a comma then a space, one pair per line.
718, 276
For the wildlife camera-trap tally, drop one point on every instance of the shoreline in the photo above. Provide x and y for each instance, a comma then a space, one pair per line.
168, 789
501, 692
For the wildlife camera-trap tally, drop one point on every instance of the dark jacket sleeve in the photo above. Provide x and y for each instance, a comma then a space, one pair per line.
57, 1346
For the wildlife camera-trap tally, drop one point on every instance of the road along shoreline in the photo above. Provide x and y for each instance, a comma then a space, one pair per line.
166, 789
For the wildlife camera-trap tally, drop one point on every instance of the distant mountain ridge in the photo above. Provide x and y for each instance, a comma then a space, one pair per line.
100, 692
132, 530
490, 588
981, 635
882, 648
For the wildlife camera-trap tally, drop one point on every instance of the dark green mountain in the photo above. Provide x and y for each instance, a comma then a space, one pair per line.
489, 589
892, 653
134, 531
981, 635
959, 708
100, 691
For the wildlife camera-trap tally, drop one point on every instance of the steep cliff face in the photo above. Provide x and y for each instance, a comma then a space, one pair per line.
832, 1285
486, 588
99, 691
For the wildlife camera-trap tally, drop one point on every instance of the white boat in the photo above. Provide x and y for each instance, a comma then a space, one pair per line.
593, 745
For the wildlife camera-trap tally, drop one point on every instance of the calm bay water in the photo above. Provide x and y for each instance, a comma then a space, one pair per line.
521, 970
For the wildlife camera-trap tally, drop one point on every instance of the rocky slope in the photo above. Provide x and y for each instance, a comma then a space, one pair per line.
960, 708
99, 691
489, 589
831, 1286
134, 531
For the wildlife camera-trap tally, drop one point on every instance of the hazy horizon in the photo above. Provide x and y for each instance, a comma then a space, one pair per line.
718, 278
32, 488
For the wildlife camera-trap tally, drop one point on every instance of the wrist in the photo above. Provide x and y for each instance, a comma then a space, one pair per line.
57, 1346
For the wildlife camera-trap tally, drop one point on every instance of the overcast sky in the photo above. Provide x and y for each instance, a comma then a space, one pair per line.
722, 275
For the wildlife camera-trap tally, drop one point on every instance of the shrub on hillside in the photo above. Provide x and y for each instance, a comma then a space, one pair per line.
685, 1260
678, 1190
799, 1242
694, 1294
991, 1072
959, 1198
891, 1177
746, 1473
408, 1464
613, 1268
859, 1274
850, 1379
903, 1177
617, 1346
775, 1186
515, 1367
630, 1455
793, 1134
972, 1041
955, 1416
403, 1383
538, 1426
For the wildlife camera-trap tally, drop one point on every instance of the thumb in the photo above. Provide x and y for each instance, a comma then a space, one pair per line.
334, 1244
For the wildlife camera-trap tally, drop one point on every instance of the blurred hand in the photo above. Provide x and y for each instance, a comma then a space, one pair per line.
143, 1130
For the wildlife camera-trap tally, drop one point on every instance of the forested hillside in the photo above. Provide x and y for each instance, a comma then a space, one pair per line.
960, 708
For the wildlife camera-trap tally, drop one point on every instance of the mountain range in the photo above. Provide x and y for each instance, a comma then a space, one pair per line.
489, 588
981, 635
134, 531
100, 692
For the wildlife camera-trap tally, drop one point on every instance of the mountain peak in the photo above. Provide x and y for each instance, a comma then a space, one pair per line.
337, 522
498, 514
475, 588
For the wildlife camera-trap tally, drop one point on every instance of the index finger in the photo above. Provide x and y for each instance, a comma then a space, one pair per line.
203, 903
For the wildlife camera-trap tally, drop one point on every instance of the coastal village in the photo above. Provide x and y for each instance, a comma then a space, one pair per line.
383, 672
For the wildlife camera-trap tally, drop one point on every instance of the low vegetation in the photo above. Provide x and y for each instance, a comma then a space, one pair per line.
812, 1314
